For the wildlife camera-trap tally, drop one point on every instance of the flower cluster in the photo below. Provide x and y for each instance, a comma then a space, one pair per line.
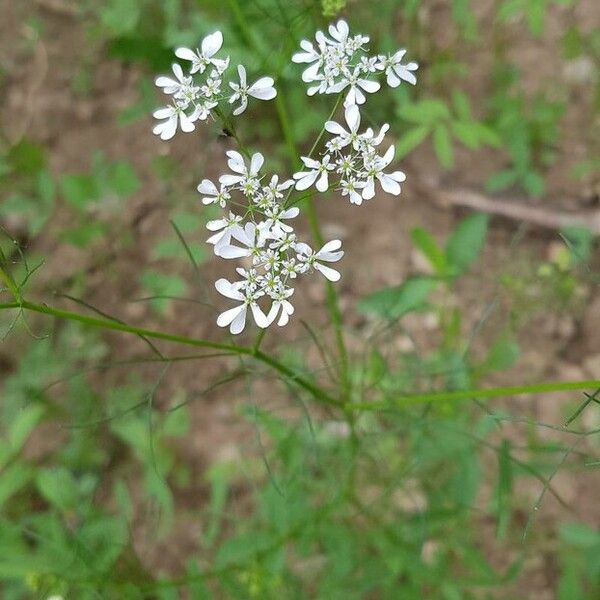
341, 62
351, 158
264, 239
257, 211
196, 93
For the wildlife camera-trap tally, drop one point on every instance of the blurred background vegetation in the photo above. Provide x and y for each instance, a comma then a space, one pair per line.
130, 470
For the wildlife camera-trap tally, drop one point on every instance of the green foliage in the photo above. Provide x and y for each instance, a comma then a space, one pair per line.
529, 131
331, 8
162, 288
534, 12
325, 504
433, 117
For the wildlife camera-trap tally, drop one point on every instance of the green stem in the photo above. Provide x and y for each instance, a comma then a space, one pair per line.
7, 279
453, 396
314, 390
315, 230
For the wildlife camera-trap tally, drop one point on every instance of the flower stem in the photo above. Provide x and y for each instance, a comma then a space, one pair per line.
313, 223
317, 392
456, 395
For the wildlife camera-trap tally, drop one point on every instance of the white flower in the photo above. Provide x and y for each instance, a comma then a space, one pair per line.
309, 54
177, 86
250, 236
224, 228
350, 188
202, 111
235, 318
212, 194
352, 115
330, 252
246, 178
318, 172
389, 182
396, 72
262, 89
276, 216
200, 59
340, 32
170, 115
358, 85
283, 305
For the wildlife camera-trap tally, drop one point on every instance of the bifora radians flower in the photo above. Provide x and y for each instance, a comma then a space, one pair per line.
258, 211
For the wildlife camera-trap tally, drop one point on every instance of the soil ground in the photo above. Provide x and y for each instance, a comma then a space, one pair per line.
38, 101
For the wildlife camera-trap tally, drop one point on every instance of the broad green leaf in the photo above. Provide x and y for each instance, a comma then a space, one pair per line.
533, 183
461, 104
443, 146
425, 242
23, 425
58, 486
392, 303
580, 242
84, 234
466, 242
501, 180
425, 112
26, 158
123, 180
13, 478
466, 132
580, 535
79, 189
410, 140
503, 354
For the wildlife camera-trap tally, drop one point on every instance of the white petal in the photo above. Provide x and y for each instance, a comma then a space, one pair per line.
388, 184
228, 316
236, 161
290, 213
228, 179
259, 316
163, 81
216, 224
163, 113
185, 54
263, 92
330, 246
229, 251
405, 74
208, 188
369, 189
323, 182
392, 79
328, 272
238, 324
311, 74
167, 129
178, 71
242, 107
212, 43
185, 122
256, 163
369, 86
335, 128
388, 156
227, 289
352, 115
242, 74
305, 180
311, 163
